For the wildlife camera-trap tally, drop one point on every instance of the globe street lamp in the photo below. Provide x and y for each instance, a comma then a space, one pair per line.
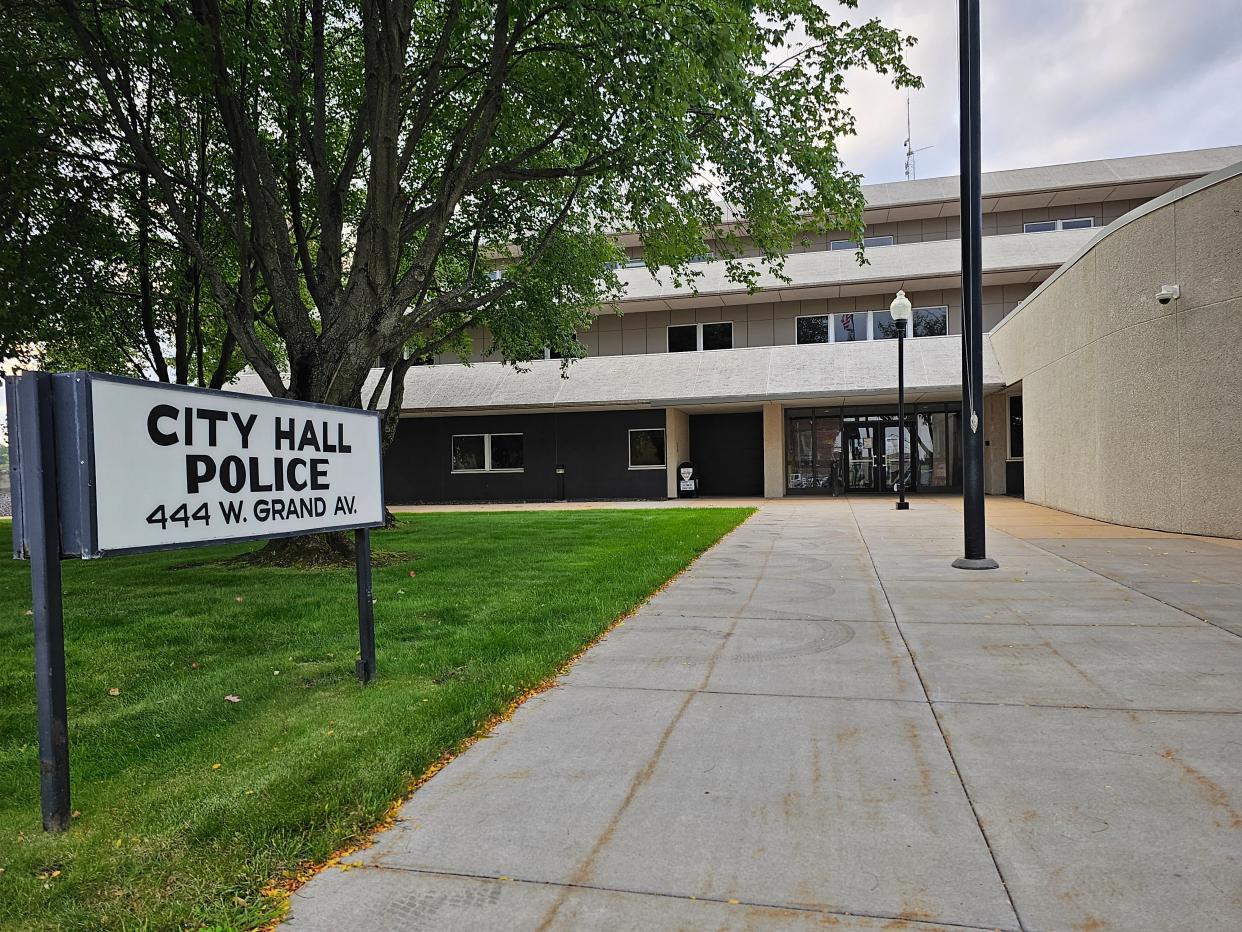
901, 311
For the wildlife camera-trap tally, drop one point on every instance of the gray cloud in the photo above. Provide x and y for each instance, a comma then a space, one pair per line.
1062, 81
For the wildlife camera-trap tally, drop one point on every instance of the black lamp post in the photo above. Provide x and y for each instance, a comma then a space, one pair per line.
976, 555
901, 311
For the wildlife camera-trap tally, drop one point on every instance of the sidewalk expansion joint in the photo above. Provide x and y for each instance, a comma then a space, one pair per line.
586, 869
940, 728
935, 702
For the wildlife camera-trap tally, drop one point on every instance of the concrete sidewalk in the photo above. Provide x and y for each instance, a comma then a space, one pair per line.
822, 724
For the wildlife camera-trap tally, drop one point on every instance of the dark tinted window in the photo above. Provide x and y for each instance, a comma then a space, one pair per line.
718, 336
507, 451
814, 329
647, 447
683, 338
468, 452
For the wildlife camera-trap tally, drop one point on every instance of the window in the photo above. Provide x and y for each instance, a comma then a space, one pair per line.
814, 329
688, 338
647, 448
868, 241
930, 322
718, 335
847, 328
1015, 427
1047, 226
470, 453
488, 453
683, 338
883, 327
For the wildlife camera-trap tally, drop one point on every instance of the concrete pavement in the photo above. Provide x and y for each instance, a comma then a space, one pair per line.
822, 724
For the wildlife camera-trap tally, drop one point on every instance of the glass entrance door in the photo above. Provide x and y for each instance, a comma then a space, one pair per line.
873, 456
861, 464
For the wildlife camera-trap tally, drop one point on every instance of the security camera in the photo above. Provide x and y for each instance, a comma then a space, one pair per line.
1168, 292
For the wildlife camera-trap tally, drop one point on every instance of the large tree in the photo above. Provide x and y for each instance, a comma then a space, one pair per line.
386, 159
92, 273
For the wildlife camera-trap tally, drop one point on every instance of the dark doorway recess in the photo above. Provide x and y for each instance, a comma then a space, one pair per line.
1014, 479
727, 452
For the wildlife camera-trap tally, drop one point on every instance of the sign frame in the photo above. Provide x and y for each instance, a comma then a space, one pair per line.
55, 516
74, 425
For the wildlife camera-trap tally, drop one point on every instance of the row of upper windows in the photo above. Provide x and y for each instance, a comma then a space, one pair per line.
815, 328
506, 453
871, 242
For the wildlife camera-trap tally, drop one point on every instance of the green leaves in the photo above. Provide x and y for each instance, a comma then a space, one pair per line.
341, 182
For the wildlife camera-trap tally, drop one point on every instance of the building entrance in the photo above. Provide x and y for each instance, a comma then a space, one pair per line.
838, 451
873, 456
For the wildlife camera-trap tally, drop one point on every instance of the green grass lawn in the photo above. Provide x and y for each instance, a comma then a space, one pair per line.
191, 804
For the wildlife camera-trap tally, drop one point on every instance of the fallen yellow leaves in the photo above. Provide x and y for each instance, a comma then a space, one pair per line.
114, 691
215, 766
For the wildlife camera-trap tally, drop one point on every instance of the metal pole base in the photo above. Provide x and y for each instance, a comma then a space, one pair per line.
903, 506
986, 563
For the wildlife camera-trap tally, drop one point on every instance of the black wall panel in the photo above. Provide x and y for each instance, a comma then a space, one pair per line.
727, 451
592, 446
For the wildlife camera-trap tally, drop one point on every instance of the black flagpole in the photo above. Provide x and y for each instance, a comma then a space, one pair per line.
976, 557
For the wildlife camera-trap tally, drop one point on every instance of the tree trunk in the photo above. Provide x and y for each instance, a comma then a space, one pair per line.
335, 548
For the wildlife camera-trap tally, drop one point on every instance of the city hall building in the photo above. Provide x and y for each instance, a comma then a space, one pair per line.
1101, 398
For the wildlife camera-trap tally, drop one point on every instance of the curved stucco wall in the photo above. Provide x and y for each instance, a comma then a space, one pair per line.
1133, 410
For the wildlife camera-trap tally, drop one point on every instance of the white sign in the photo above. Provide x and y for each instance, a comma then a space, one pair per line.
176, 466
687, 485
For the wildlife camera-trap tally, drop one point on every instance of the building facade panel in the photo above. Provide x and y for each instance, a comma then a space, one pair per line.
593, 448
1130, 406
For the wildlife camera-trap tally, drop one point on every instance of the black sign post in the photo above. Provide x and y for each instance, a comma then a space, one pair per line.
34, 463
366, 606
81, 438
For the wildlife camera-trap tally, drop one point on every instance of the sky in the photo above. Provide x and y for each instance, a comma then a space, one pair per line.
1062, 81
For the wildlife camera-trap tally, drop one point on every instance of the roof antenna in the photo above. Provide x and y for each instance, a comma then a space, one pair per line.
912, 172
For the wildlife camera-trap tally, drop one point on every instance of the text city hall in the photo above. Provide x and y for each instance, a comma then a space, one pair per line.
168, 426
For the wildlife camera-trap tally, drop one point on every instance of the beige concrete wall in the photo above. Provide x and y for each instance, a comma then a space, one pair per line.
996, 442
773, 323
995, 223
676, 444
773, 450
1133, 409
